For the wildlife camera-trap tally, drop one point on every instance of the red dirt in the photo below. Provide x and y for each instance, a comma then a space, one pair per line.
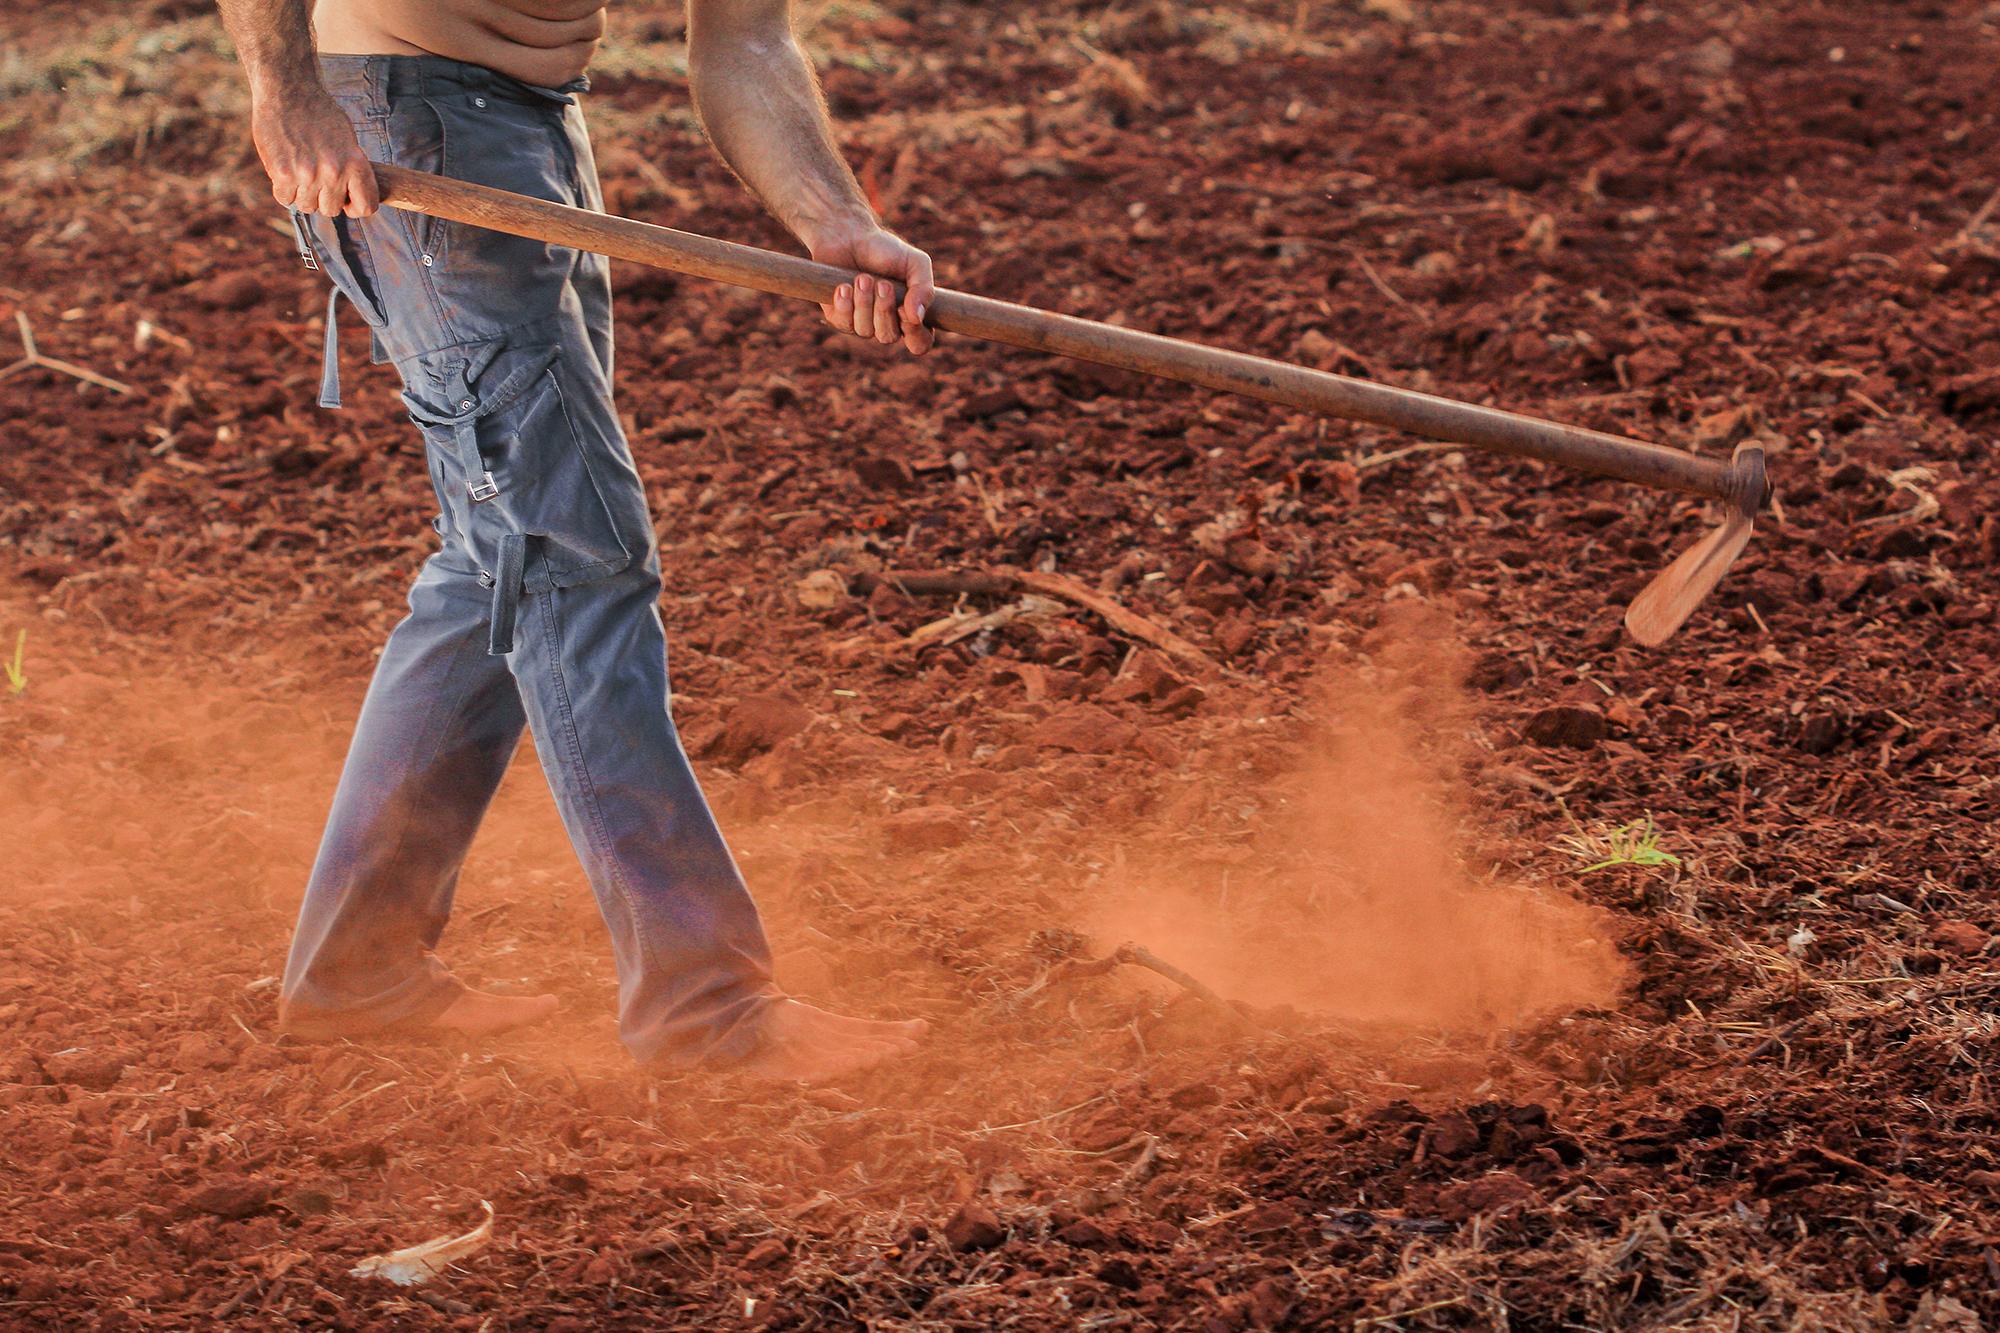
1686, 222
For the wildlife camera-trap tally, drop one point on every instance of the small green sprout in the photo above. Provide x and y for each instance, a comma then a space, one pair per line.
17, 678
1633, 844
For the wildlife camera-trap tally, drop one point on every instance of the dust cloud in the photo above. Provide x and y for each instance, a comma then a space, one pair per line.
135, 774
131, 770
1350, 897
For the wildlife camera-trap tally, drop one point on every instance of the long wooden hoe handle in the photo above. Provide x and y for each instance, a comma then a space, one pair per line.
1087, 340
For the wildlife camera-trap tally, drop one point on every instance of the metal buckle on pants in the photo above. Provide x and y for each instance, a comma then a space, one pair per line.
483, 489
305, 243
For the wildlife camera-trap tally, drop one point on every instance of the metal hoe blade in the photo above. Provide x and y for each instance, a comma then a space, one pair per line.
1677, 590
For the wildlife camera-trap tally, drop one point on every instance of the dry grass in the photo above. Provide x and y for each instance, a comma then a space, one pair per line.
110, 91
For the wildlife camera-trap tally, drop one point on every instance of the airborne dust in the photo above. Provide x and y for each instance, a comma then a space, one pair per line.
1354, 896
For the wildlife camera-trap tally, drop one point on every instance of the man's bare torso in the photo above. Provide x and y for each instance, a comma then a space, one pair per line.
547, 42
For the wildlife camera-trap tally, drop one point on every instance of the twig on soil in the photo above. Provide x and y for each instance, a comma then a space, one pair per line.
1371, 1320
34, 360
1042, 1119
1771, 1043
1143, 1166
1125, 621
1059, 586
951, 629
1217, 1219
229, 1307
1139, 1140
988, 507
1368, 271
1978, 219
356, 1101
1391, 455
1140, 956
146, 331
1143, 957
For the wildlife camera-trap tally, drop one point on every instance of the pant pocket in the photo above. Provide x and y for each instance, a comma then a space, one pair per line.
413, 136
486, 278
517, 454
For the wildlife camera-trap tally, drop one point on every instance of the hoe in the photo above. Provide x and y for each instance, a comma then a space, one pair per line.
1660, 609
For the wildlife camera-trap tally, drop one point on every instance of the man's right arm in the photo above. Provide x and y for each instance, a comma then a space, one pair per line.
302, 137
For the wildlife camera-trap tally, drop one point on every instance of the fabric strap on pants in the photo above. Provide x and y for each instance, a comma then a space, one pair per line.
329, 366
480, 487
507, 593
513, 546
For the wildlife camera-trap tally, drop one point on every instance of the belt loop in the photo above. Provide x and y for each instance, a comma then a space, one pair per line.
329, 370
506, 593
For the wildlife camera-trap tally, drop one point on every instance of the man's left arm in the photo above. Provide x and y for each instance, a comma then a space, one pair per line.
761, 107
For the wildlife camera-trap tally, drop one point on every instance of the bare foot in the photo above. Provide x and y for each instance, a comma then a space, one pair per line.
477, 1014
808, 1045
471, 1013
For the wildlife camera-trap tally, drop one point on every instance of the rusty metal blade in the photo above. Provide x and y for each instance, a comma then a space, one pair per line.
1678, 589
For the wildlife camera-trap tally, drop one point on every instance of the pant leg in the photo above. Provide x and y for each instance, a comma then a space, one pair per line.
441, 720
694, 969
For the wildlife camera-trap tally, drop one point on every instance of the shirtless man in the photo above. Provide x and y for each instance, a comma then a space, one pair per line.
541, 606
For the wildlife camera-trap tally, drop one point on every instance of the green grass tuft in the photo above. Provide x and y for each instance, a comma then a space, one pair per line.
1633, 844
17, 677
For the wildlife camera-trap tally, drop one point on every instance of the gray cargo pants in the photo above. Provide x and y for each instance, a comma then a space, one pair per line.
540, 608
